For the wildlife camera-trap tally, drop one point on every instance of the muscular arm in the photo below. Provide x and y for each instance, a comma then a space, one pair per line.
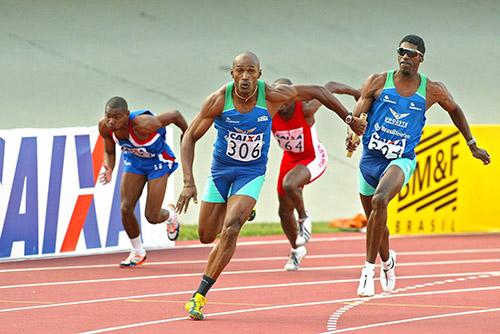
438, 93
210, 109
173, 117
147, 124
277, 95
109, 153
335, 88
368, 93
109, 145
280, 94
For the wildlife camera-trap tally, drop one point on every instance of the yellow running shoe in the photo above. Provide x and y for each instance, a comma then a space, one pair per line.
194, 306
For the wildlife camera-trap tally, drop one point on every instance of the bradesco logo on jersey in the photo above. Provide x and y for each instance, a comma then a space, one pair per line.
244, 145
397, 119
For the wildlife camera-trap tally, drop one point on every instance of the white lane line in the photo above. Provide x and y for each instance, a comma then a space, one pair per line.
247, 287
268, 308
195, 245
259, 259
334, 318
238, 272
411, 320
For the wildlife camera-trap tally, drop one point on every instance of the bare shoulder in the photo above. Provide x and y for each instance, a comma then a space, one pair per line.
214, 103
376, 81
436, 89
103, 129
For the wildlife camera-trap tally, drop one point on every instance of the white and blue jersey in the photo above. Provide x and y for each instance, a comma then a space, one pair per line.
393, 131
240, 149
150, 156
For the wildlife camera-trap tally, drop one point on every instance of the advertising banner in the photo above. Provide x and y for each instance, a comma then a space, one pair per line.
51, 202
450, 191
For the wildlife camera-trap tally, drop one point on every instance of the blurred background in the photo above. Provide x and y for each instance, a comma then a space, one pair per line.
62, 60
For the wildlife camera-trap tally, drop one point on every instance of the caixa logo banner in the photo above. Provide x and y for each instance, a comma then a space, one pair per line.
51, 202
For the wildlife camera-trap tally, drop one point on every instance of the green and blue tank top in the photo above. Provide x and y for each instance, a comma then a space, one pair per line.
243, 138
395, 122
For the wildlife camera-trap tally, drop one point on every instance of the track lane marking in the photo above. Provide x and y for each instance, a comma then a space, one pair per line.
257, 259
156, 322
247, 287
238, 272
335, 317
351, 329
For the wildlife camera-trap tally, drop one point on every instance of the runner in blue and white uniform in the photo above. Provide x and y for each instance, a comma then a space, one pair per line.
242, 112
147, 159
396, 102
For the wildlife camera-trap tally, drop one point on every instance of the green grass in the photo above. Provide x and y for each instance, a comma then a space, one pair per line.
190, 232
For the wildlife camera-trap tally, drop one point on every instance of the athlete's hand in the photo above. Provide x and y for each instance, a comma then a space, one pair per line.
105, 175
352, 142
187, 193
358, 125
480, 154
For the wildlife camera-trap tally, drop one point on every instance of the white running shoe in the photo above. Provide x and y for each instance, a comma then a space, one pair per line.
388, 276
366, 286
305, 231
296, 256
133, 260
173, 226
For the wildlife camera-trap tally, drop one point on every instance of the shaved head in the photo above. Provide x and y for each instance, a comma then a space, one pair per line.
246, 57
117, 103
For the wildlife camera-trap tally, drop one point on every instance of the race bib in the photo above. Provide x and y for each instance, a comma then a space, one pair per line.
291, 140
138, 151
390, 149
244, 147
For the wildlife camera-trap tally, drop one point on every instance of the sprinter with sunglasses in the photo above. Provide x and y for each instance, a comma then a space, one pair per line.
396, 102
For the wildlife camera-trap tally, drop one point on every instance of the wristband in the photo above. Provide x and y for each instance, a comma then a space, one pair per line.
471, 141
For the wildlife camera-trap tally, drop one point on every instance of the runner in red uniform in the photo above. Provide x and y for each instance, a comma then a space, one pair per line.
304, 160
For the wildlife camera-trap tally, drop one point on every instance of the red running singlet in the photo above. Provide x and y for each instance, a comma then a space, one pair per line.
300, 144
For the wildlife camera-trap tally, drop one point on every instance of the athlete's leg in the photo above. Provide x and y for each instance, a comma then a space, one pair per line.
154, 213
130, 190
287, 218
377, 233
237, 212
293, 183
366, 202
210, 220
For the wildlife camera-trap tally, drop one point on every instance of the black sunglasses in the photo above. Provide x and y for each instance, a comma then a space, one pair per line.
410, 52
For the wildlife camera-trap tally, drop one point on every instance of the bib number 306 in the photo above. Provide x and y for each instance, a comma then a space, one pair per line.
247, 148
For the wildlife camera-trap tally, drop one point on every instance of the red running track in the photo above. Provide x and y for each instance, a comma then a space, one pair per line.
446, 284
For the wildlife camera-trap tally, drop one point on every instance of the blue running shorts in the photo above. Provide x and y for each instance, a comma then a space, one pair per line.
372, 168
152, 168
226, 181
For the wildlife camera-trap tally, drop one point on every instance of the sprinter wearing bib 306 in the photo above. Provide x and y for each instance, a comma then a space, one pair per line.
242, 112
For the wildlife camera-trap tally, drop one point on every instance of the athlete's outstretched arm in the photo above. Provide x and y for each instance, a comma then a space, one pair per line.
211, 108
283, 93
173, 117
437, 92
341, 88
109, 153
334, 88
147, 124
